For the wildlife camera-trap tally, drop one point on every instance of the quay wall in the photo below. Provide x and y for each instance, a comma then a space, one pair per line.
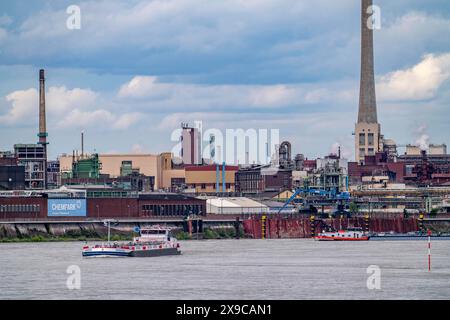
278, 228
275, 228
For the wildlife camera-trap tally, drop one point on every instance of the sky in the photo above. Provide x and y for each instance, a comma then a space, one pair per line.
135, 70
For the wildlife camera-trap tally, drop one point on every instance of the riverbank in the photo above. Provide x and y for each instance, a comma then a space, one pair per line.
273, 227
10, 233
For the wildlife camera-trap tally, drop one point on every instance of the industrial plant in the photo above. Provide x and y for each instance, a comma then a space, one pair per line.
380, 189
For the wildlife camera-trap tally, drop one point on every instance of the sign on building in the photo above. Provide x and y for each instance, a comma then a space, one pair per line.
67, 207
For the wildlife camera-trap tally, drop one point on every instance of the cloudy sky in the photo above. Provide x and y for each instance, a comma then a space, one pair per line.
137, 69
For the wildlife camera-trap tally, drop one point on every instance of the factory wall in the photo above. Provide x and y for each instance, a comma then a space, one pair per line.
23, 207
97, 208
301, 227
203, 178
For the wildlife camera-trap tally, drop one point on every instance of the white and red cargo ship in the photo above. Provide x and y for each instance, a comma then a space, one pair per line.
152, 242
351, 234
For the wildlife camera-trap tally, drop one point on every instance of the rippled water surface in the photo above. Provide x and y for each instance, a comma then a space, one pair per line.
231, 269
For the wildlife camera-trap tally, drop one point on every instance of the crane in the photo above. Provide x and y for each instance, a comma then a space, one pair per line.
332, 195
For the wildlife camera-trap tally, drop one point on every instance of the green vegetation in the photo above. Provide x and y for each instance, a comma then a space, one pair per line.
70, 236
434, 212
353, 207
182, 236
222, 233
210, 234
82, 234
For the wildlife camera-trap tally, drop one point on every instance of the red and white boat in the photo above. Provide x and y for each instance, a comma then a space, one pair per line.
351, 234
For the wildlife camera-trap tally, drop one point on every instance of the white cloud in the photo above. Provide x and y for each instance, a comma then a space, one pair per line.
61, 100
419, 82
126, 120
23, 106
82, 119
148, 90
407, 37
275, 95
100, 119
143, 86
66, 108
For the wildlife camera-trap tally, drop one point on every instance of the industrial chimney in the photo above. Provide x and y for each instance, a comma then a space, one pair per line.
42, 123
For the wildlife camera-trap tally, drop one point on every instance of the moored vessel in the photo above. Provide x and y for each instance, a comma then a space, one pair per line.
151, 242
350, 234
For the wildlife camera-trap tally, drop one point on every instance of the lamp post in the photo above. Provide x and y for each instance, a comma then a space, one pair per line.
98, 212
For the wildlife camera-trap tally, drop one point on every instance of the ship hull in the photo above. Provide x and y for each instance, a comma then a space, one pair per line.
107, 252
325, 238
155, 252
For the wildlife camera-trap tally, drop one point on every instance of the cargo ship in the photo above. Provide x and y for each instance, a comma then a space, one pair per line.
151, 242
351, 234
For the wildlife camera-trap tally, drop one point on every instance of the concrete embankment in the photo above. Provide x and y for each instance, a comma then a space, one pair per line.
273, 227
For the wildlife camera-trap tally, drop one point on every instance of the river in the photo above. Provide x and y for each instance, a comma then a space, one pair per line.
231, 269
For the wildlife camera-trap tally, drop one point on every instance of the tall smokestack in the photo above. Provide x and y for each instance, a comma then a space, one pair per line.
42, 123
367, 98
82, 144
368, 138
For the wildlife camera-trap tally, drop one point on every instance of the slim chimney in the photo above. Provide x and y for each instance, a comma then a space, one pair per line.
368, 137
82, 144
42, 123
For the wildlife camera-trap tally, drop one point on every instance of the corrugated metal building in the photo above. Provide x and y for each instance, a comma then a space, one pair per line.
238, 205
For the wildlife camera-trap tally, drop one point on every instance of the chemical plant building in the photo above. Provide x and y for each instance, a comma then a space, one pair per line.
96, 203
97, 186
376, 159
210, 179
415, 167
141, 172
33, 158
12, 174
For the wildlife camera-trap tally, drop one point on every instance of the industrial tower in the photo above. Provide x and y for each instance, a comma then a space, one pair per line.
368, 138
42, 122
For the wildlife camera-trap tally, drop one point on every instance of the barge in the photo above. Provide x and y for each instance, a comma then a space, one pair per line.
151, 242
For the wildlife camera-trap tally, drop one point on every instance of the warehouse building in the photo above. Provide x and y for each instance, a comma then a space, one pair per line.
96, 203
235, 205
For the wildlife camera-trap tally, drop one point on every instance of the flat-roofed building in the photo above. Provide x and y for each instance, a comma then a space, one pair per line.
235, 205
204, 179
437, 149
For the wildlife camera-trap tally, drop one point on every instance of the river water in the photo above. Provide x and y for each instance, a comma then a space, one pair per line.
231, 269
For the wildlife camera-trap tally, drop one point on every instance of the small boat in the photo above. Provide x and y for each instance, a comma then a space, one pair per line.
152, 242
351, 234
